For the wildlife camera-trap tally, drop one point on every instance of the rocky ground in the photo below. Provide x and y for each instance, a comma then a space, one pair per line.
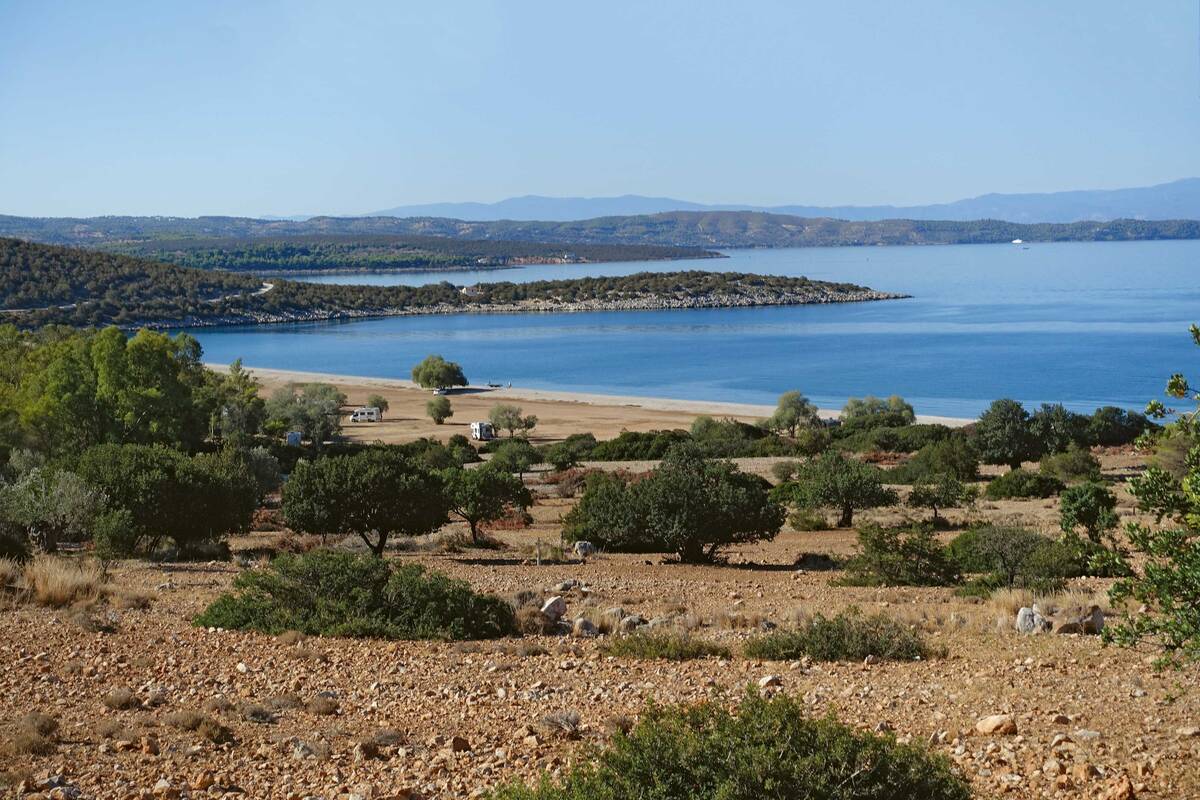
1041, 716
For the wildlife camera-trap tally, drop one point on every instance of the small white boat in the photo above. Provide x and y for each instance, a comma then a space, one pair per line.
1017, 241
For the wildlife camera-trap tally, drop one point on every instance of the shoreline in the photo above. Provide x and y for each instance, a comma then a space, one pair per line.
712, 407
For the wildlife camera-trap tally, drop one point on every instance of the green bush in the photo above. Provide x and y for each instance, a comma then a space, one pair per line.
1023, 484
569, 452
899, 557
669, 646
954, 455
845, 637
1072, 465
806, 519
638, 446
761, 750
324, 593
907, 439
194, 501
689, 506
1008, 557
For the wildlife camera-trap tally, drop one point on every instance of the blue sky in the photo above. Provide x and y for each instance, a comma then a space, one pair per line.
253, 108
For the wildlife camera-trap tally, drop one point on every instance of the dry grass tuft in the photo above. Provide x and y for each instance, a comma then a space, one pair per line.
619, 723
121, 699
285, 701
738, 619
322, 706
10, 574
254, 712
129, 600
290, 638
60, 582
40, 723
217, 705
561, 723
532, 622
113, 729
387, 737
187, 720
214, 731
25, 742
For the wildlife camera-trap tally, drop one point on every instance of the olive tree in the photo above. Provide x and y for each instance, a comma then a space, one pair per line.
506, 417
374, 494
834, 481
438, 409
688, 506
484, 494
1003, 435
435, 372
942, 491
793, 411
380, 402
314, 409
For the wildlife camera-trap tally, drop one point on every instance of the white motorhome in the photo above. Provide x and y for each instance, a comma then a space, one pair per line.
365, 414
482, 431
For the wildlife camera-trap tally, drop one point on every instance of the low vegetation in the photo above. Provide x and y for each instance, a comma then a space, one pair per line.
762, 749
844, 637
668, 646
1021, 484
324, 593
689, 506
899, 556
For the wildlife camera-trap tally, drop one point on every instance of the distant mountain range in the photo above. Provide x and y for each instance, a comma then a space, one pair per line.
1176, 200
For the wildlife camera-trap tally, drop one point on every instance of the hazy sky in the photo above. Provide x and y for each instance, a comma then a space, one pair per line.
254, 108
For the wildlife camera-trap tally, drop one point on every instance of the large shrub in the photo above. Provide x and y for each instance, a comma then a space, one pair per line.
689, 506
1004, 435
899, 557
639, 446
1023, 484
845, 637
834, 481
763, 750
1111, 426
373, 494
1090, 506
192, 501
1007, 556
324, 593
954, 455
906, 439
1071, 465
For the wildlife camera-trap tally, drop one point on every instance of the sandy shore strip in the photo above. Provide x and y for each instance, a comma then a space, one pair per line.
663, 404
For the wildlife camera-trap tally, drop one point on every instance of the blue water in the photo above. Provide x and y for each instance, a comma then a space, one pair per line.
1085, 324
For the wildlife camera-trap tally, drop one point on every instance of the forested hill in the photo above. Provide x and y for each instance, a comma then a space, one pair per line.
376, 252
45, 284
704, 229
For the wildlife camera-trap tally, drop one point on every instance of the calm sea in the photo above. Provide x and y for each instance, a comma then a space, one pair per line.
1085, 324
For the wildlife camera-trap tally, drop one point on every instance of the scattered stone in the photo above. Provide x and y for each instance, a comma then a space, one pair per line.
583, 628
1030, 621
770, 680
554, 608
1187, 732
583, 549
632, 622
459, 745
1122, 789
997, 724
1085, 735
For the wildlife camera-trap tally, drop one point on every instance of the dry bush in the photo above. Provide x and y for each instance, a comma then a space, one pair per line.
217, 705
560, 723
255, 712
466, 648
531, 622
604, 622
10, 573
322, 706
86, 621
121, 699
24, 742
689, 622
214, 731
113, 729
283, 702
187, 720
514, 519
387, 737
523, 649
290, 638
305, 653
129, 600
525, 597
1010, 601
59, 582
39, 723
739, 619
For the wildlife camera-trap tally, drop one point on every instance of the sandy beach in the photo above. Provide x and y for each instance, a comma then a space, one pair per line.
559, 413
